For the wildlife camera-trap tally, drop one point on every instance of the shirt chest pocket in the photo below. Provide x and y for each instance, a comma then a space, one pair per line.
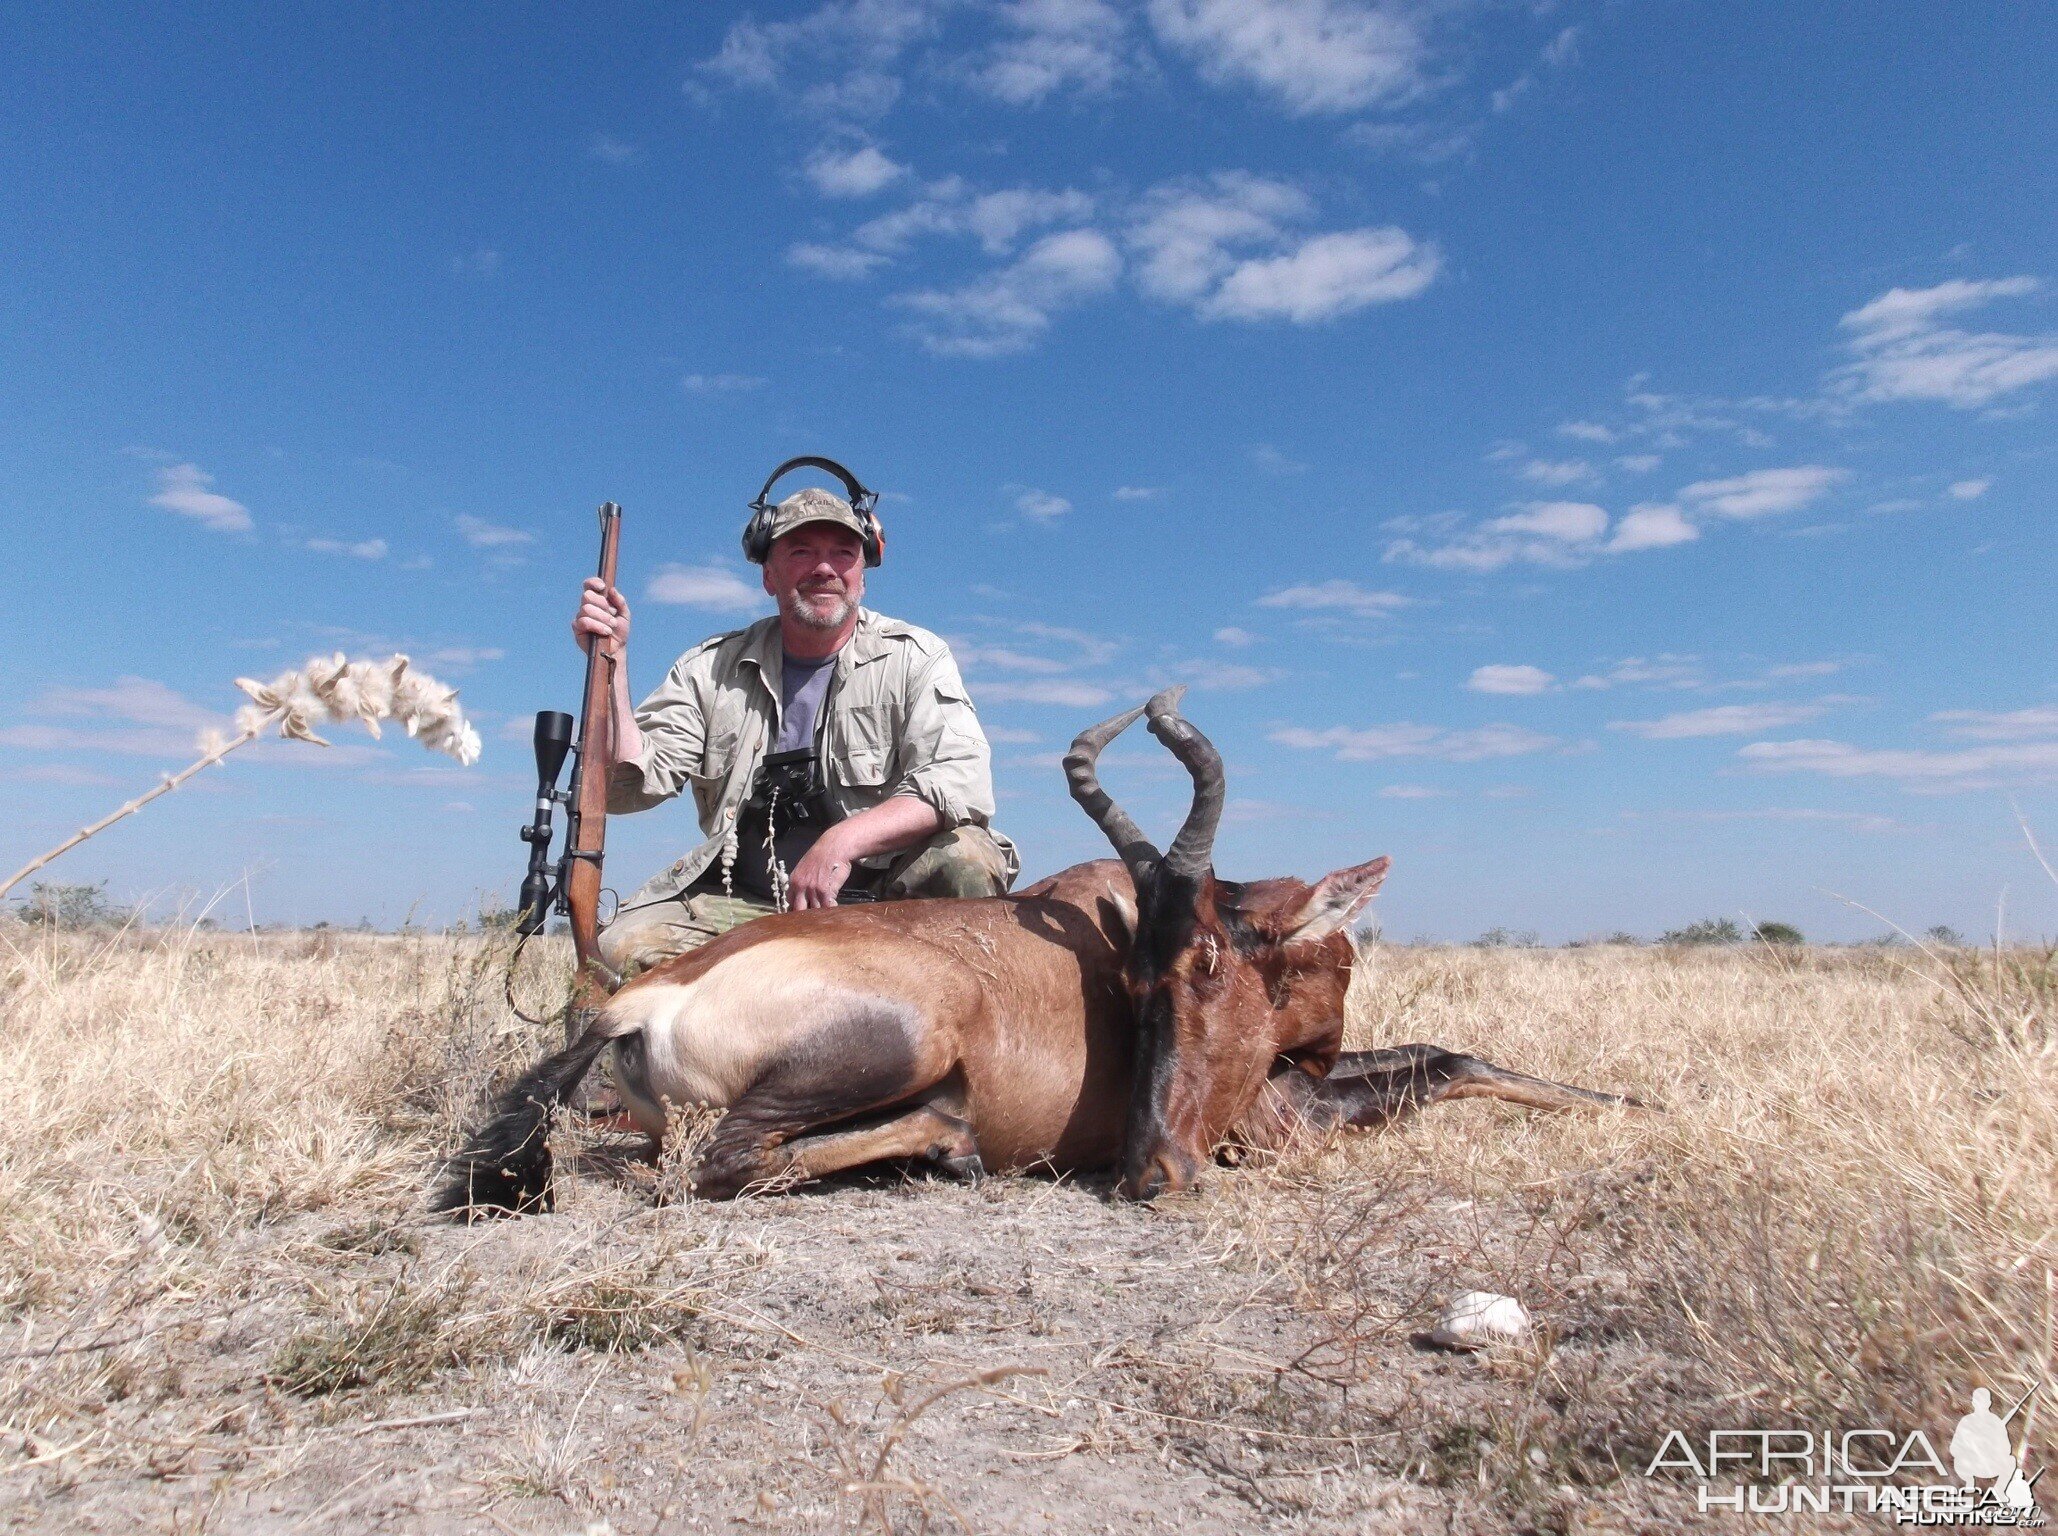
720, 745
865, 741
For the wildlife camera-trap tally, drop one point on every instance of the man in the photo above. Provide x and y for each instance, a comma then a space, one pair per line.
879, 782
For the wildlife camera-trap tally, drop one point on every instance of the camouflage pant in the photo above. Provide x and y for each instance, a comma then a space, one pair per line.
964, 861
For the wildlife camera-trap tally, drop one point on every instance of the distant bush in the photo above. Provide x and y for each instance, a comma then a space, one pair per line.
1709, 930
1777, 933
71, 906
1509, 938
1593, 940
1949, 937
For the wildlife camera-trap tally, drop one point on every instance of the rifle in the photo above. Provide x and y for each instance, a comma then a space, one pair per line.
571, 887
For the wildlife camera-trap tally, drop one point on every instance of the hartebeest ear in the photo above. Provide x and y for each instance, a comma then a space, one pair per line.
1335, 900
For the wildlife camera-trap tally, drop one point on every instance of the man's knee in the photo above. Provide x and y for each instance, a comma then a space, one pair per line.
964, 861
642, 937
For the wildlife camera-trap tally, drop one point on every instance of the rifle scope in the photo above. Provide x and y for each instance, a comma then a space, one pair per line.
553, 744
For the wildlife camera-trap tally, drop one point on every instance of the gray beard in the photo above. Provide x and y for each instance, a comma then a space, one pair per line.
797, 609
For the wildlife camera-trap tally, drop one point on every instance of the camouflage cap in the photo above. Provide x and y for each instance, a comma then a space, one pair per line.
813, 505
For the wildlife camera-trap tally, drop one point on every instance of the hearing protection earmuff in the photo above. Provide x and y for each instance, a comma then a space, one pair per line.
757, 533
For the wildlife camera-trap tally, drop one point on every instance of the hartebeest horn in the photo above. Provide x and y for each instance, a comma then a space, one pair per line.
1193, 850
1135, 849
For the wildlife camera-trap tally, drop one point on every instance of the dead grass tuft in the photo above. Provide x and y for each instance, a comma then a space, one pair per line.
393, 1339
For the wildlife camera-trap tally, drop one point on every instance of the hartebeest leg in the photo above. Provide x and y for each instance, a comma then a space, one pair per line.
928, 1132
856, 1065
743, 1154
1366, 1089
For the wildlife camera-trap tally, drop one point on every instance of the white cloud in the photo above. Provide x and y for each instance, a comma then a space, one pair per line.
721, 383
1640, 463
1972, 768
1576, 522
362, 549
1501, 678
1969, 490
1651, 526
1073, 695
1561, 534
1482, 552
1230, 246
1003, 659
481, 534
1227, 676
613, 150
1903, 350
1184, 231
462, 658
838, 262
997, 220
1722, 720
155, 721
1411, 792
1557, 471
1857, 821
137, 700
1059, 43
1006, 311
1225, 246
482, 261
1138, 492
1804, 669
1586, 431
856, 172
1336, 595
1312, 55
1326, 277
1229, 634
1094, 650
1273, 462
859, 40
1764, 492
1560, 51
710, 586
1656, 672
1379, 742
2015, 725
183, 488
1042, 506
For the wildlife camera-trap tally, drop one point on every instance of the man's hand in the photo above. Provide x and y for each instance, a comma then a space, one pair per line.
603, 612
898, 822
820, 874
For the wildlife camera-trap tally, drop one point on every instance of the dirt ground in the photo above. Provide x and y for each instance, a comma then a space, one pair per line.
228, 1312
1025, 1355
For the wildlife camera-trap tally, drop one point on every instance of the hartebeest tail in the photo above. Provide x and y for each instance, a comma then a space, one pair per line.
504, 1168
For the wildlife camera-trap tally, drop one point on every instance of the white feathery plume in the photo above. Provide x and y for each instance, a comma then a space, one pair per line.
326, 688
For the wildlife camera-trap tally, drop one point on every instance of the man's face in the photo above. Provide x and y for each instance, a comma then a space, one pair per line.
817, 572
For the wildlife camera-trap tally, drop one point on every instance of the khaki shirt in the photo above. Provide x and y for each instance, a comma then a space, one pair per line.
897, 721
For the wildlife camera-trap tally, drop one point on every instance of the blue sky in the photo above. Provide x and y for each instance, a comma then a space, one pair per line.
1599, 454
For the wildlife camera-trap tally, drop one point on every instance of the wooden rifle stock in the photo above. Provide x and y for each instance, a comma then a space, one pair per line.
586, 828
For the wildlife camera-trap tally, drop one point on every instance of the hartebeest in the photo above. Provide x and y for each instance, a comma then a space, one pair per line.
1070, 1025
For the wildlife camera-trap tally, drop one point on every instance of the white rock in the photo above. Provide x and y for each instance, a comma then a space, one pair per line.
1475, 1319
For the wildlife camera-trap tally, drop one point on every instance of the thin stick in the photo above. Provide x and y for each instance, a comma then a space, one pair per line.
171, 782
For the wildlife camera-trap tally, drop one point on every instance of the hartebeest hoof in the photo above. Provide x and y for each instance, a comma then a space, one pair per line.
967, 1169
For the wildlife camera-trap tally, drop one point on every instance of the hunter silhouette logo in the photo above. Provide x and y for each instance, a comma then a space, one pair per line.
1981, 1451
1893, 1472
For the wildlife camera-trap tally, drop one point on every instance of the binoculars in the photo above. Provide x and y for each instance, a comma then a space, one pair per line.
791, 781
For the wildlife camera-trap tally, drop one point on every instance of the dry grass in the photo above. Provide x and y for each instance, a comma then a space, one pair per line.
213, 1150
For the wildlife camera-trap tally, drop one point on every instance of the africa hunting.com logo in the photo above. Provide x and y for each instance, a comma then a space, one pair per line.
1881, 1471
